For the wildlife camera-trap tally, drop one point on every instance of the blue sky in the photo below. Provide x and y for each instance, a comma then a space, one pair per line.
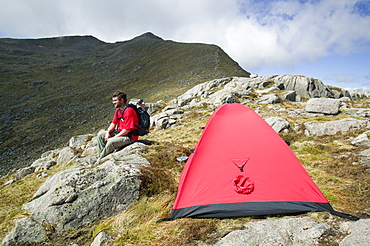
324, 39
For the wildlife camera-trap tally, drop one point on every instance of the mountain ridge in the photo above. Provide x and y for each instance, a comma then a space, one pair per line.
54, 88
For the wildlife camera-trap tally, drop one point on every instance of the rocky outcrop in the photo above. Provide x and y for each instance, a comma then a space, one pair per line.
261, 90
358, 233
334, 127
297, 231
81, 194
292, 231
304, 86
355, 95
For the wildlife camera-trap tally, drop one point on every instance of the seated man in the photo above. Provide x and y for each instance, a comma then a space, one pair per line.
121, 130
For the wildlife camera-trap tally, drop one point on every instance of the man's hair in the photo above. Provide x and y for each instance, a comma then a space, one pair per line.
120, 95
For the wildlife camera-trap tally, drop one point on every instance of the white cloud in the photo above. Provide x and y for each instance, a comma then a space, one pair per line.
254, 33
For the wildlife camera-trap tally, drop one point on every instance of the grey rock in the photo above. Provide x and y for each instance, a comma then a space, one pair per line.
34, 234
51, 154
101, 239
345, 99
174, 111
304, 86
46, 161
43, 163
301, 112
323, 106
170, 116
361, 140
269, 99
268, 90
359, 233
358, 112
65, 155
337, 93
364, 157
220, 97
23, 172
151, 107
199, 91
80, 140
171, 106
91, 148
292, 231
333, 127
278, 124
355, 95
291, 96
9, 182
162, 123
79, 195
216, 92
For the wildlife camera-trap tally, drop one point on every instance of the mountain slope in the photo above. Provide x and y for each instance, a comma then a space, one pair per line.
54, 88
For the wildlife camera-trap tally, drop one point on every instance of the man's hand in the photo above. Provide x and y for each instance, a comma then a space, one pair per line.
107, 136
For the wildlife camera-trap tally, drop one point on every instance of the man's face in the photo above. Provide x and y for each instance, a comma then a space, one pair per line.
117, 102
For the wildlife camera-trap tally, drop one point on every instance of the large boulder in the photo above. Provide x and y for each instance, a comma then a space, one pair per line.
292, 231
359, 233
334, 127
82, 194
304, 86
323, 106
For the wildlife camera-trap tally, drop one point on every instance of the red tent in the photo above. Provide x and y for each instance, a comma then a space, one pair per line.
241, 167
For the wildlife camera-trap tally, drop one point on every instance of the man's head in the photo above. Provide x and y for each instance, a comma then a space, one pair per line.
119, 99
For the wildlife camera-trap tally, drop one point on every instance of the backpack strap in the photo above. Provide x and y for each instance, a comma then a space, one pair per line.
134, 132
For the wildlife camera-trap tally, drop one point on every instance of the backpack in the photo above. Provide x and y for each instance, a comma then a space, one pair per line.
144, 120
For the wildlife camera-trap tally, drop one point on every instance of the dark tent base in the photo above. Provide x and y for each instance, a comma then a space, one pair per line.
246, 209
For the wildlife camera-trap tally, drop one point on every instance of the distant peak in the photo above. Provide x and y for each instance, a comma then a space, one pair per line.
148, 35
